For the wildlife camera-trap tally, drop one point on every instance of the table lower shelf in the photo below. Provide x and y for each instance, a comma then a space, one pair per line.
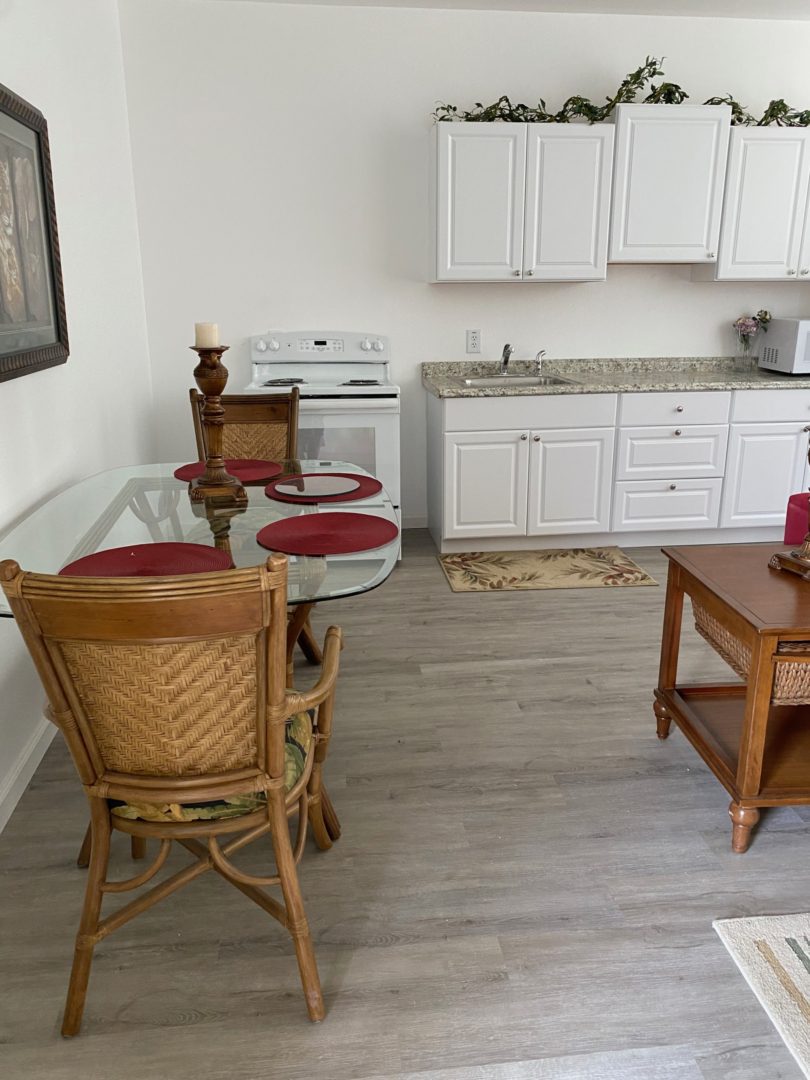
711, 717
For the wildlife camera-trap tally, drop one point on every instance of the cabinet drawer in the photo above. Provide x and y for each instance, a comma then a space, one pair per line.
693, 407
663, 452
662, 504
754, 406
530, 411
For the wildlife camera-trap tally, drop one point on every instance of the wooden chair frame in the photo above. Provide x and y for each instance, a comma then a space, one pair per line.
248, 411
58, 614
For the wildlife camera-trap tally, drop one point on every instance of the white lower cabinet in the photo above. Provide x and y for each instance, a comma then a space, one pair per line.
569, 481
766, 464
666, 504
485, 479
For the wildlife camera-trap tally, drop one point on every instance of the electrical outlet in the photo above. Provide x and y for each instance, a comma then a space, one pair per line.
473, 341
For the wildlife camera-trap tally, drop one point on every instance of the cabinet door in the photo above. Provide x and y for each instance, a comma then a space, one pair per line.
764, 205
568, 174
481, 173
670, 167
804, 247
765, 465
570, 476
485, 477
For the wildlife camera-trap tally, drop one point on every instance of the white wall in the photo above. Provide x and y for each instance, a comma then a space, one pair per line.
64, 56
281, 164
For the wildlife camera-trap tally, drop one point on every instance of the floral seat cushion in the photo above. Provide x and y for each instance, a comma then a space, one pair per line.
297, 743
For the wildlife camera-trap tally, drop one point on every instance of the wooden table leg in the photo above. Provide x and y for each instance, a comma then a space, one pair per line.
752, 739
670, 646
309, 645
296, 623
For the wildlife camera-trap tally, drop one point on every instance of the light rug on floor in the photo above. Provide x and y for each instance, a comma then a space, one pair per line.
558, 568
773, 954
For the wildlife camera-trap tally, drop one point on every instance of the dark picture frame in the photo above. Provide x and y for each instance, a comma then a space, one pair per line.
33, 325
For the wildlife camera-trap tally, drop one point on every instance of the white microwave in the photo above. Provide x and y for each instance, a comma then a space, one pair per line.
785, 346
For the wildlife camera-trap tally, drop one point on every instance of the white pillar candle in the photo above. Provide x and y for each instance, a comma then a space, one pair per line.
206, 335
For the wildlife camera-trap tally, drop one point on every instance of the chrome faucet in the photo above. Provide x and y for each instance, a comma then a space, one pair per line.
538, 362
507, 352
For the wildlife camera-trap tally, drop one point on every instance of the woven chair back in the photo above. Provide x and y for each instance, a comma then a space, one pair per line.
263, 426
168, 678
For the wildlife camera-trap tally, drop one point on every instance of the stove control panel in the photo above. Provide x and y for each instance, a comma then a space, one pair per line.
312, 345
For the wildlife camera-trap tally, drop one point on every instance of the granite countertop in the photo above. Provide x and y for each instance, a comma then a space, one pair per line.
612, 376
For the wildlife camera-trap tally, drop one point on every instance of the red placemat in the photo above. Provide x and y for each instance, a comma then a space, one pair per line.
150, 560
248, 470
366, 487
327, 534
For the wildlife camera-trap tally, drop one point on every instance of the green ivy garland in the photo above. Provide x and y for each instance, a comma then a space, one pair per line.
667, 93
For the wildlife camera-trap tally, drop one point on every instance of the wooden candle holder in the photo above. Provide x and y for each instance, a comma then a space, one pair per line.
211, 377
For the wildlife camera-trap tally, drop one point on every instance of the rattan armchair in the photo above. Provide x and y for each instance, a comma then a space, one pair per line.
170, 693
263, 426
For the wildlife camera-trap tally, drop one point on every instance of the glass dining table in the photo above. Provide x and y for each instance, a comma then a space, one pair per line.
142, 504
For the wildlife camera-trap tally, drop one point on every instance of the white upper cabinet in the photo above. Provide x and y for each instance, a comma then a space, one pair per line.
523, 202
481, 174
669, 171
765, 203
568, 175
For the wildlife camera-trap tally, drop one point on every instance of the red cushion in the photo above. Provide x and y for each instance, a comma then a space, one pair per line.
248, 470
366, 487
150, 560
796, 527
327, 534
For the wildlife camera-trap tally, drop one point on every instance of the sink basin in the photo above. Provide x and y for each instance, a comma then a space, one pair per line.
517, 380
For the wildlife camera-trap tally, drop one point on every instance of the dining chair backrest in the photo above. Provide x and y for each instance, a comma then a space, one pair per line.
262, 426
166, 684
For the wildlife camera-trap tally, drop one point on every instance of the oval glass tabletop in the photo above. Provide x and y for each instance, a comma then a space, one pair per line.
141, 504
309, 487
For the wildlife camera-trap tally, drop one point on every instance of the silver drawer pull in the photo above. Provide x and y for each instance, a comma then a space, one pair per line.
678, 431
679, 408
523, 438
673, 487
537, 437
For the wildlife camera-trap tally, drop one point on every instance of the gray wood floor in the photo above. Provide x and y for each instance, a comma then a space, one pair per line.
524, 888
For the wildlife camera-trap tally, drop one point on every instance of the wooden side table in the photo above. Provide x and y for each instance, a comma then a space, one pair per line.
755, 737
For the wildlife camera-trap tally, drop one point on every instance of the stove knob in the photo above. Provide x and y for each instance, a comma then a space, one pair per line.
378, 346
273, 345
261, 345
365, 345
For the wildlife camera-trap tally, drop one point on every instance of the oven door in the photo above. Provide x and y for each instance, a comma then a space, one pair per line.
364, 431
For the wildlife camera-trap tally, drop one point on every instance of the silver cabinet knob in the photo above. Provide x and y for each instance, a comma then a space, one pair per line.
530, 273
673, 487
523, 438
516, 273
791, 273
679, 408
261, 345
678, 431
804, 271
711, 254
536, 438
806, 429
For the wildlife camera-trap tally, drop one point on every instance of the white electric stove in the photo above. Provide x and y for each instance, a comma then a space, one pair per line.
349, 408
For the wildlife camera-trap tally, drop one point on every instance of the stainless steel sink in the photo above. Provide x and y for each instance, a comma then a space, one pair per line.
517, 380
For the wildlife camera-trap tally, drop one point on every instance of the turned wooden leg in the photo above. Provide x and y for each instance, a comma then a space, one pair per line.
320, 833
743, 819
83, 859
138, 847
296, 916
663, 719
88, 924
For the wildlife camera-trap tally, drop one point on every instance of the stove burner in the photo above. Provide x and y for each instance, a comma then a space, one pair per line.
362, 382
282, 382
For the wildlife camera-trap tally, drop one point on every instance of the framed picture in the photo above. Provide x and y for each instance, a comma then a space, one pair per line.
33, 328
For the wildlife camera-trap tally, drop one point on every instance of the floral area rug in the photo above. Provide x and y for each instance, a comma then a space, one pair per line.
559, 568
773, 954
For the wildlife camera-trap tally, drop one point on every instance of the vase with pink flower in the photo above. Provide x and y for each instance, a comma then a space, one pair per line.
747, 327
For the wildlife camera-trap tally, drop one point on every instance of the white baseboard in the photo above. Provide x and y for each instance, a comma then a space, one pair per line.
14, 783
414, 522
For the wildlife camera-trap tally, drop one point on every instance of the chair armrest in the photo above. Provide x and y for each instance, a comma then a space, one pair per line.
308, 699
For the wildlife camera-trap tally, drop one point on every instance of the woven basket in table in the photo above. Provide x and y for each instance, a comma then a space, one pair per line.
791, 682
